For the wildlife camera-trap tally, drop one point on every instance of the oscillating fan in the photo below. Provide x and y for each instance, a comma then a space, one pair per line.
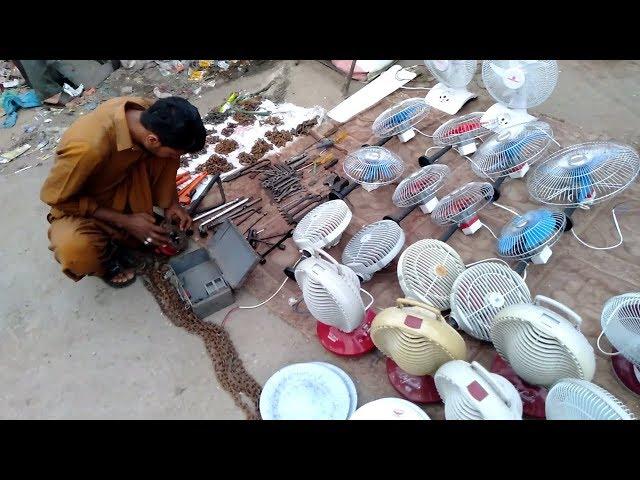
332, 294
450, 94
400, 119
517, 85
470, 392
531, 235
481, 292
427, 270
323, 226
620, 322
373, 167
584, 174
417, 341
512, 151
419, 190
461, 206
389, 409
373, 248
541, 345
461, 132
574, 399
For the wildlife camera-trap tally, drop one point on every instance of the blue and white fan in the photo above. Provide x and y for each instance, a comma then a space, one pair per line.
584, 174
373, 167
530, 236
400, 119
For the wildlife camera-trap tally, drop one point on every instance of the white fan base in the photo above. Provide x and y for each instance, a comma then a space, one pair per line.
542, 257
406, 135
429, 206
471, 227
467, 148
498, 117
521, 172
448, 100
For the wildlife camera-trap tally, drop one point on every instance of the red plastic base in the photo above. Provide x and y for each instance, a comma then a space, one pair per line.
419, 389
351, 344
533, 397
626, 373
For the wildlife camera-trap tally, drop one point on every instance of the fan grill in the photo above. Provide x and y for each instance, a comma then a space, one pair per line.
481, 292
507, 152
460, 130
537, 357
456, 406
589, 172
453, 73
527, 235
427, 270
462, 203
620, 322
421, 186
373, 248
323, 225
573, 399
400, 118
520, 84
373, 166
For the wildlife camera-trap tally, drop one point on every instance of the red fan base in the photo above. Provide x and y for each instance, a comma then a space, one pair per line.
351, 344
627, 372
533, 397
416, 388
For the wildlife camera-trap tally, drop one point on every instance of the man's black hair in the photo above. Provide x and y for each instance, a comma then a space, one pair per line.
177, 124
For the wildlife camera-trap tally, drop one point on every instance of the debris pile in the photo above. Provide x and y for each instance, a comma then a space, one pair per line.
225, 146
279, 137
305, 127
229, 129
214, 165
246, 159
260, 148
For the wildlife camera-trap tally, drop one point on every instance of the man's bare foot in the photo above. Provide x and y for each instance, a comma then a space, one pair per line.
122, 279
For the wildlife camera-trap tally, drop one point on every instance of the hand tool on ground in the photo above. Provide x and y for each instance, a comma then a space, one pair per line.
341, 189
282, 239
332, 163
253, 238
206, 213
184, 195
254, 223
196, 201
181, 177
271, 236
251, 214
203, 226
322, 159
244, 170
291, 215
233, 214
295, 218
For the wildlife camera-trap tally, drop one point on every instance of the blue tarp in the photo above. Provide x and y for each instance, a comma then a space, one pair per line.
12, 102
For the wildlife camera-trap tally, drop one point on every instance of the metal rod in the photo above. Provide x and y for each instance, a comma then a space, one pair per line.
242, 202
341, 194
447, 235
206, 213
195, 202
424, 161
402, 215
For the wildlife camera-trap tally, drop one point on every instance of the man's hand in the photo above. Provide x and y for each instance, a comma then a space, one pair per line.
177, 212
143, 227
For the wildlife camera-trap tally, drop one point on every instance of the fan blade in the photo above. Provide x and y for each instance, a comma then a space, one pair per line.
501, 72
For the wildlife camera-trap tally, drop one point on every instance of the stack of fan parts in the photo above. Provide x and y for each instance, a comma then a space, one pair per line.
461, 206
541, 345
461, 133
390, 408
400, 119
308, 391
373, 247
481, 292
531, 235
323, 226
517, 85
373, 167
512, 151
450, 93
417, 341
574, 399
470, 392
584, 174
420, 188
331, 292
620, 322
427, 270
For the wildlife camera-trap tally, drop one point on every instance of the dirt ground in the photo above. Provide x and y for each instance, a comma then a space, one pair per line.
84, 350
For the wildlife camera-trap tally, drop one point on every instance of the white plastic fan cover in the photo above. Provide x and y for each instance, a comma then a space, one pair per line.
520, 84
453, 73
481, 292
400, 118
421, 186
427, 270
373, 166
574, 399
620, 322
541, 345
331, 293
510, 150
390, 408
470, 392
463, 203
323, 226
586, 173
461, 130
373, 247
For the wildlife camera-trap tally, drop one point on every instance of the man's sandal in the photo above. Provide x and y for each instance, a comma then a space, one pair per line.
113, 269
